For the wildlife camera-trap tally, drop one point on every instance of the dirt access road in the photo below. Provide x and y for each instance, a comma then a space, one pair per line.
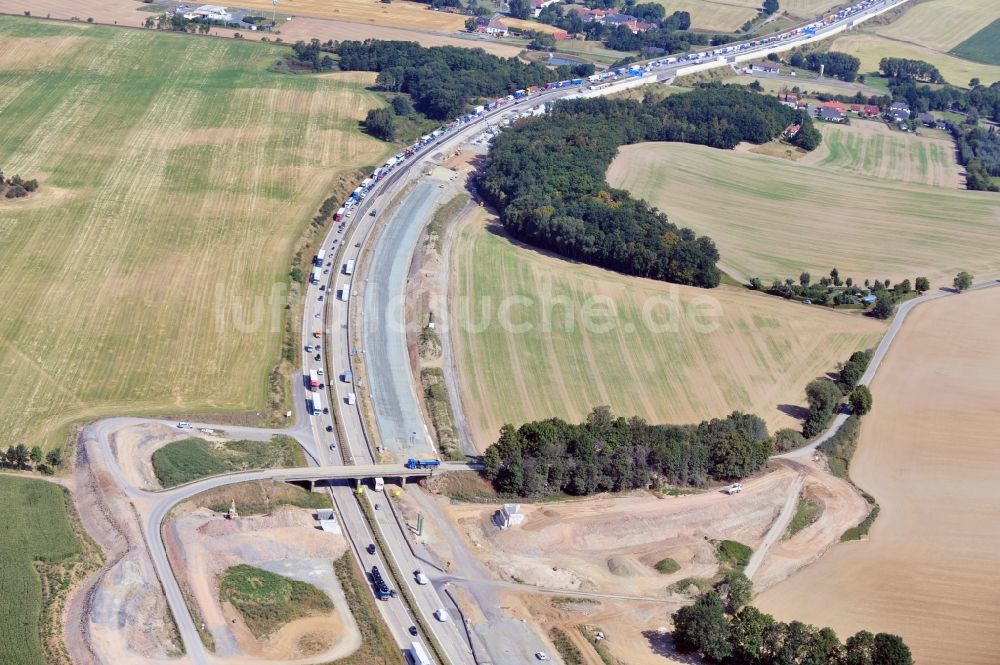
928, 454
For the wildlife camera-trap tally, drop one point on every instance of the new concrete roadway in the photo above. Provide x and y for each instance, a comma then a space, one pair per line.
316, 433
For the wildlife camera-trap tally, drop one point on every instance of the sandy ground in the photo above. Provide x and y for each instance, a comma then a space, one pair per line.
203, 544
928, 454
134, 446
124, 12
610, 545
116, 616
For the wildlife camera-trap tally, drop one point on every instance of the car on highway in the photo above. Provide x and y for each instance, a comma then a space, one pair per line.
420, 577
541, 655
184, 425
317, 358
318, 315
333, 446
371, 548
321, 297
309, 348
329, 428
413, 631
320, 370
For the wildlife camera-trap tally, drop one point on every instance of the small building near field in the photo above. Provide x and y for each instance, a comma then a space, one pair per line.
764, 67
210, 13
869, 299
493, 26
900, 109
897, 115
927, 119
830, 114
791, 130
539, 5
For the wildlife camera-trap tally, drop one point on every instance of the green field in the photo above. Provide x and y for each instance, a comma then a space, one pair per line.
772, 218
984, 46
149, 272
190, 459
267, 601
538, 337
36, 528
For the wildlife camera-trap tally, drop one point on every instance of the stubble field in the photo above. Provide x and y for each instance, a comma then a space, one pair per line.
667, 353
714, 16
148, 272
928, 454
401, 13
773, 218
872, 149
927, 31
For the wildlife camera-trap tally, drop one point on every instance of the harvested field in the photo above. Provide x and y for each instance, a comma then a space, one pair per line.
872, 149
928, 454
940, 25
149, 272
870, 48
807, 9
984, 46
125, 13
794, 216
714, 16
401, 13
612, 545
523, 358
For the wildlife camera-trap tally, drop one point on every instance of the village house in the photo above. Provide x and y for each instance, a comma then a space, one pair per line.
832, 114
493, 26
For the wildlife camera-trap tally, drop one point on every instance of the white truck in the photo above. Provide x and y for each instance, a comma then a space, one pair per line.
344, 292
349, 267
420, 577
418, 655
351, 399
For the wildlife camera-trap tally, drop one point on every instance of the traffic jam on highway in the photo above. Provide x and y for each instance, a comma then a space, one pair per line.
341, 279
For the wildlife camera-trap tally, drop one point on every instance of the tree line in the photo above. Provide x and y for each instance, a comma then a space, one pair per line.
824, 396
546, 176
748, 636
21, 458
443, 80
833, 291
905, 69
612, 454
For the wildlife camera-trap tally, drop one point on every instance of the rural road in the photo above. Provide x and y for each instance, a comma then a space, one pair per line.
880, 351
777, 527
154, 507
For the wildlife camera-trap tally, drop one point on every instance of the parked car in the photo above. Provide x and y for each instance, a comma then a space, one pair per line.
184, 425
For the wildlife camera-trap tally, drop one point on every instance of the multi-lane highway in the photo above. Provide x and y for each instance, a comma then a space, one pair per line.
331, 442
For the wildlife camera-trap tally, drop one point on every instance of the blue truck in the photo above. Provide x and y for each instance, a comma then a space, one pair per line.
422, 463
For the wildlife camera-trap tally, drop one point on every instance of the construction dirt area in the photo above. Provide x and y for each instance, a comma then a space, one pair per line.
608, 547
133, 447
203, 544
116, 615
928, 454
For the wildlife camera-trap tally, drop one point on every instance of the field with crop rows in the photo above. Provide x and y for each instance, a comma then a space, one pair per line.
871, 148
666, 353
35, 528
401, 13
928, 31
771, 217
984, 46
714, 16
148, 273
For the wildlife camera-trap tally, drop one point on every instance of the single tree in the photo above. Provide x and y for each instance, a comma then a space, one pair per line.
963, 281
884, 306
470, 25
860, 400
890, 650
804, 279
737, 589
755, 284
921, 284
748, 633
54, 458
703, 627
849, 282
859, 648
380, 124
835, 276
19, 457
36, 455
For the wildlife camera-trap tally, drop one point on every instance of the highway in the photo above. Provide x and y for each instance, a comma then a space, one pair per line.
330, 443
